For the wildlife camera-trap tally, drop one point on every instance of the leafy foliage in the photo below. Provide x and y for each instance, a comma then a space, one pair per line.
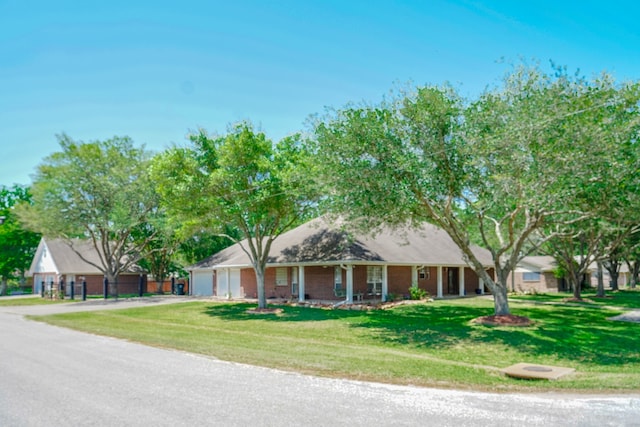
17, 244
535, 152
416, 293
99, 191
241, 186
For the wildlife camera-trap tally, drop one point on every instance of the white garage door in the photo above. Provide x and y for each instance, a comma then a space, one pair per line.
232, 288
202, 283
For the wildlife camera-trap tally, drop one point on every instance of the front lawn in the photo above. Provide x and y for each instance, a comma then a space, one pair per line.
429, 344
29, 300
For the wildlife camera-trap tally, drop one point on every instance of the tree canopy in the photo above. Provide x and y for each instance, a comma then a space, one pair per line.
99, 191
239, 182
496, 169
17, 245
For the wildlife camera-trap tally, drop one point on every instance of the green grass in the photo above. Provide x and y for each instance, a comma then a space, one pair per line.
29, 300
626, 298
431, 344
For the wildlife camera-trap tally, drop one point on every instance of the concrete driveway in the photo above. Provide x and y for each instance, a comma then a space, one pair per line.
52, 376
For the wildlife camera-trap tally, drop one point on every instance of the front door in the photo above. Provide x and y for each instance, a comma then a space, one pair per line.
452, 281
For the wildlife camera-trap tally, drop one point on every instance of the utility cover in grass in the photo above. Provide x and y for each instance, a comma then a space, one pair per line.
629, 316
536, 372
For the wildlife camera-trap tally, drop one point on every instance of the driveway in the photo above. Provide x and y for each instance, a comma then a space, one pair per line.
53, 376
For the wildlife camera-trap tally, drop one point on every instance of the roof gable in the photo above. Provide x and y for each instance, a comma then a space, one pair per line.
63, 256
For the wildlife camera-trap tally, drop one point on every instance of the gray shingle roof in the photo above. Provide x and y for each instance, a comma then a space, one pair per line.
320, 241
68, 261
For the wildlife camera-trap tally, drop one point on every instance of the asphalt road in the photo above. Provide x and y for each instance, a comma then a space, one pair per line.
52, 376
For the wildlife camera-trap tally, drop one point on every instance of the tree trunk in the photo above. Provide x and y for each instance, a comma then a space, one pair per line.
113, 285
613, 267
262, 298
500, 300
159, 285
3, 287
600, 293
634, 268
574, 277
614, 281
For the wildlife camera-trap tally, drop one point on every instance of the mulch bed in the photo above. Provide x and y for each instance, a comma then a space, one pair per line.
264, 311
583, 300
503, 320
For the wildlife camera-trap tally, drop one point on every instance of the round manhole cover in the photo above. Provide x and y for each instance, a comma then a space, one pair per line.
537, 369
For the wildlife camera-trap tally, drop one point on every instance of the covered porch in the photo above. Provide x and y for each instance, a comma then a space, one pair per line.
354, 282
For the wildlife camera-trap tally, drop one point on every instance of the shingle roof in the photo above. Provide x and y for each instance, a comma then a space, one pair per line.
320, 241
67, 260
542, 262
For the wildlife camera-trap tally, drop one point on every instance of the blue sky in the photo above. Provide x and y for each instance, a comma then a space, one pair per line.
154, 70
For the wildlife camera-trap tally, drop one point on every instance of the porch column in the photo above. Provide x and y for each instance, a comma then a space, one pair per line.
228, 273
301, 283
461, 281
385, 284
481, 285
439, 282
349, 284
414, 276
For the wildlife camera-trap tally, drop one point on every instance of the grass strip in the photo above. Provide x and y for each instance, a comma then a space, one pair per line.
431, 344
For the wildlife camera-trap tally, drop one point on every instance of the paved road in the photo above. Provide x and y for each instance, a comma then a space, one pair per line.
51, 376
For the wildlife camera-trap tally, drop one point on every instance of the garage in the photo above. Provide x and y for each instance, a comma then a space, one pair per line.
229, 283
202, 282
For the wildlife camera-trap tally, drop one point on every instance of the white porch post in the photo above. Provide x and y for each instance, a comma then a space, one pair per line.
414, 276
349, 284
301, 283
228, 274
481, 285
439, 282
461, 281
385, 284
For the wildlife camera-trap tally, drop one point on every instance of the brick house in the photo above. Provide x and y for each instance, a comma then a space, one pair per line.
536, 274
56, 265
319, 260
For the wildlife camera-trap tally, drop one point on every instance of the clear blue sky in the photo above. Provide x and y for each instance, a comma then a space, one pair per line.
154, 70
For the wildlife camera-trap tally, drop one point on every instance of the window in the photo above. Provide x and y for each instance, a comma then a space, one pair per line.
294, 281
531, 276
338, 277
423, 273
281, 276
374, 280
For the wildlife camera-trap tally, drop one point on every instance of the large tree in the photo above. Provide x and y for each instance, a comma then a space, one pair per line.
17, 245
240, 185
100, 191
497, 168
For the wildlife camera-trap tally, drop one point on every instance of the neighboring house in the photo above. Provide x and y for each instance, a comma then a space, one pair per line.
320, 261
56, 263
535, 274
623, 275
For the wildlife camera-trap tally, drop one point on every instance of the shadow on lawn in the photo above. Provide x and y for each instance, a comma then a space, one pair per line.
239, 311
579, 334
572, 333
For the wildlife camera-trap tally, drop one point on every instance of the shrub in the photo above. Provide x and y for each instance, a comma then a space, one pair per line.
416, 293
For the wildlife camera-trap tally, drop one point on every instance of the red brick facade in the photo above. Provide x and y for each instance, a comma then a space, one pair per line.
319, 282
127, 283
